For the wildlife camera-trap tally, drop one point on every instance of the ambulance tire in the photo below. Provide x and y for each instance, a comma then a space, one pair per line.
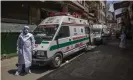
56, 61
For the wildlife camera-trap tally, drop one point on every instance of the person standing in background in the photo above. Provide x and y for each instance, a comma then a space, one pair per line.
123, 38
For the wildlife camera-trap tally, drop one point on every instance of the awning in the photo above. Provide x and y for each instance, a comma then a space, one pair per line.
13, 27
121, 14
121, 5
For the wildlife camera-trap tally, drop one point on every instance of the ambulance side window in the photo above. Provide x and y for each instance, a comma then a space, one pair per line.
64, 32
81, 30
75, 31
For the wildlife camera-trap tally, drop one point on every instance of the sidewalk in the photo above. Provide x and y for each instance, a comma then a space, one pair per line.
7, 62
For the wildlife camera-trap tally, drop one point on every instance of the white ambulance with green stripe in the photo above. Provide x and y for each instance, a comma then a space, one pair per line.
58, 37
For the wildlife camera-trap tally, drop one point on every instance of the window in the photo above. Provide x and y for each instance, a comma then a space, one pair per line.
64, 32
74, 29
82, 30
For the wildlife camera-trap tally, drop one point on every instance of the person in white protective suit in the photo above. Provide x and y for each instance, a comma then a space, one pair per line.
25, 45
123, 41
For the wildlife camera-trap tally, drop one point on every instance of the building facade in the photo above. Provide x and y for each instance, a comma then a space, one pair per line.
125, 17
101, 12
110, 19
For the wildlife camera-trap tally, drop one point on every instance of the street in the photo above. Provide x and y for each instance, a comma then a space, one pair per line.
81, 39
105, 62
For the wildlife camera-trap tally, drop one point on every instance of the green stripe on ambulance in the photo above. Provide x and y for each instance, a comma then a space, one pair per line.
67, 44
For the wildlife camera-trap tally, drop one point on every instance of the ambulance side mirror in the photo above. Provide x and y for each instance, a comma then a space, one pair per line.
60, 35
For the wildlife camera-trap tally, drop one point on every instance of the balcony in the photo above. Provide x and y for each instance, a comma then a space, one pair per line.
93, 5
80, 5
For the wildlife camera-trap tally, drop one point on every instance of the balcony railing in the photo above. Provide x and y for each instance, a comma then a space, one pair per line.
81, 5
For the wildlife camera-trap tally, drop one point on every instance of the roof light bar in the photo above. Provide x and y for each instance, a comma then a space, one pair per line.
60, 14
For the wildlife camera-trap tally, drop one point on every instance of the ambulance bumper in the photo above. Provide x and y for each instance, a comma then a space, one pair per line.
97, 39
40, 62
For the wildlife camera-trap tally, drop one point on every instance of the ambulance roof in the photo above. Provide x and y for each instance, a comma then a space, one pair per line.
66, 19
97, 26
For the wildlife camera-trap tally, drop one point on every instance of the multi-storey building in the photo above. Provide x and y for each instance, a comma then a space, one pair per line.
97, 9
101, 12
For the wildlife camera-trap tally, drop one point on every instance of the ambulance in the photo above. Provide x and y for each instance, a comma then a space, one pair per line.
57, 37
98, 33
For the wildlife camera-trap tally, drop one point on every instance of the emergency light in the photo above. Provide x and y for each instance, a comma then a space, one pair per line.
60, 14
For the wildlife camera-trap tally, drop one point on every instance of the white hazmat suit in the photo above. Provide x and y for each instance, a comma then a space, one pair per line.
25, 45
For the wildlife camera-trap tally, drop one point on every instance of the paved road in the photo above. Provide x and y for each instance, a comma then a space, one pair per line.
106, 62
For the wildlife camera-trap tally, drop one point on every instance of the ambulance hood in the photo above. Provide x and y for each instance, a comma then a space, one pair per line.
44, 45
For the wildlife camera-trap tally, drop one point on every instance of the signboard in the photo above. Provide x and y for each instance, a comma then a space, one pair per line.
121, 5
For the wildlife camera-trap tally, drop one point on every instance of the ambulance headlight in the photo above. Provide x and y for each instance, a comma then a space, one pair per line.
41, 54
98, 36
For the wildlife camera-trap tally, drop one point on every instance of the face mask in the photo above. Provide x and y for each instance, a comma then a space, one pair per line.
25, 31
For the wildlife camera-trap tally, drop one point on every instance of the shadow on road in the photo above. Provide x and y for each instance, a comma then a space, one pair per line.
12, 71
34, 69
40, 69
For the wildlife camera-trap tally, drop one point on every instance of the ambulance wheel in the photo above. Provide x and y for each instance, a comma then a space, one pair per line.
56, 61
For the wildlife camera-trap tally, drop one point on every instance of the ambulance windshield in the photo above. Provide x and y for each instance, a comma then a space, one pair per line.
97, 31
45, 32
